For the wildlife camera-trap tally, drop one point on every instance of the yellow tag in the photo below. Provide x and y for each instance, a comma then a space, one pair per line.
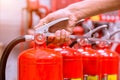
95, 18
92, 78
112, 77
76, 79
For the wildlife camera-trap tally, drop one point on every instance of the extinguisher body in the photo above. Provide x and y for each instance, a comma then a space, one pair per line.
72, 63
117, 49
109, 64
40, 64
90, 64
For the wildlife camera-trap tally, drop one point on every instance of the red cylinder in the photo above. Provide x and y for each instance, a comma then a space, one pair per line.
78, 30
90, 64
109, 62
72, 63
40, 63
117, 49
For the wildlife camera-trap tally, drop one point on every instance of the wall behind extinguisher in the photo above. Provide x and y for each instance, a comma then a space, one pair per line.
9, 29
10, 22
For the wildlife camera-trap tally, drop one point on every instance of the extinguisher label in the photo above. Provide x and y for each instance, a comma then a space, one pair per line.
112, 77
92, 77
76, 79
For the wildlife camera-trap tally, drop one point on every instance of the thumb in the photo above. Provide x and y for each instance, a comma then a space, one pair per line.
43, 21
71, 23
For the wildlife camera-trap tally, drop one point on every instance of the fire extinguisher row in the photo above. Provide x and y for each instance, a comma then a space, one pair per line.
99, 62
50, 54
88, 62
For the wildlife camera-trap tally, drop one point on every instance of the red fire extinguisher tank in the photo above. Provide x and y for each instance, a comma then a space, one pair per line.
109, 64
72, 63
40, 63
90, 64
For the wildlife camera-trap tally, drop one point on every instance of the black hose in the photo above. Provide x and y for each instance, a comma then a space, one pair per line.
6, 53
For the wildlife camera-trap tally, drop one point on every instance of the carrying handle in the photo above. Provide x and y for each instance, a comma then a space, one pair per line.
87, 35
90, 33
112, 34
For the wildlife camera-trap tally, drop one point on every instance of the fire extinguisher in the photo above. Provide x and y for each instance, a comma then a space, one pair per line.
90, 56
118, 48
109, 60
72, 63
90, 62
90, 59
39, 62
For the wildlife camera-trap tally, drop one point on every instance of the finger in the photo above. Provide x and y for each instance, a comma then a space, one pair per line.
57, 34
51, 38
57, 37
41, 23
45, 20
62, 36
72, 21
50, 17
31, 31
67, 37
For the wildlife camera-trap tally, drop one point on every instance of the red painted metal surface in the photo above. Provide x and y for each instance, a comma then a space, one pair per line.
118, 49
40, 63
72, 63
78, 30
90, 63
109, 64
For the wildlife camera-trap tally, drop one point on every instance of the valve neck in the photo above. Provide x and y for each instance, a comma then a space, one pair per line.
43, 45
40, 41
104, 45
64, 45
88, 46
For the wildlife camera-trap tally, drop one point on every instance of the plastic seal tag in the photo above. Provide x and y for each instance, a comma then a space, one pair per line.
112, 77
76, 79
92, 78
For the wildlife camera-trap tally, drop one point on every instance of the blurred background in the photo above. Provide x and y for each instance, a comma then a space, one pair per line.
18, 16
12, 19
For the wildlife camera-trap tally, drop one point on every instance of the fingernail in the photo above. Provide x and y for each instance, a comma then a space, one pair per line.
57, 34
63, 33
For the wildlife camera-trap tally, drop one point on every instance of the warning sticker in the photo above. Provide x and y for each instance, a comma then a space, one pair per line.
112, 77
92, 78
76, 79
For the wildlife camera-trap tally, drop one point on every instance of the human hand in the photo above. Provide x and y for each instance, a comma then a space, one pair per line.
62, 13
60, 37
54, 40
